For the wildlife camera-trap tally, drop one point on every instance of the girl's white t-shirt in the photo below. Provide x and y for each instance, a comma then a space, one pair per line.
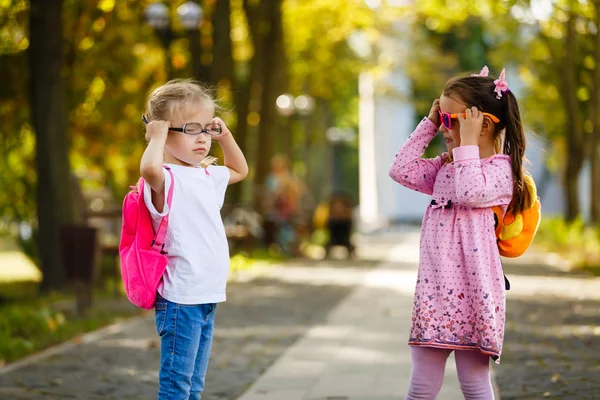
195, 243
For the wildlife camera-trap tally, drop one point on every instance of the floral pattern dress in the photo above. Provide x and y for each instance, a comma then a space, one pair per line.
459, 300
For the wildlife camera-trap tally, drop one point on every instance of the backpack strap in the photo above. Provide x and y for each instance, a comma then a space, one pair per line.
158, 243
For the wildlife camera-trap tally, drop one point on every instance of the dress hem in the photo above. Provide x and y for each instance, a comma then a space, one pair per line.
494, 355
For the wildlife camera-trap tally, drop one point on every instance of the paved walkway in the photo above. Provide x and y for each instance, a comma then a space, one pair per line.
552, 337
360, 351
336, 330
266, 312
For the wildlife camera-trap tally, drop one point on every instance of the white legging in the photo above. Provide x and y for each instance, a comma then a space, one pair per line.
428, 365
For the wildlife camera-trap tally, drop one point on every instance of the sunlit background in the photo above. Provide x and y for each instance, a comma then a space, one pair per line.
335, 85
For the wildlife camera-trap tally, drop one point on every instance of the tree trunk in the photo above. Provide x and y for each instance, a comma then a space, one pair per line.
241, 92
198, 70
222, 49
574, 132
224, 76
264, 21
272, 76
54, 192
202, 47
77, 33
594, 118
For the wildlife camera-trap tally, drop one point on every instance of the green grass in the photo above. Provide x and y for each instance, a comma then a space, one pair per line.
17, 290
255, 258
31, 322
576, 241
594, 269
31, 325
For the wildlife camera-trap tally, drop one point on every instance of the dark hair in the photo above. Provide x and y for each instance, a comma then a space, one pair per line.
478, 91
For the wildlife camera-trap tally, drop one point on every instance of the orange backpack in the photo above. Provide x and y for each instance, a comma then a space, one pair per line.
515, 233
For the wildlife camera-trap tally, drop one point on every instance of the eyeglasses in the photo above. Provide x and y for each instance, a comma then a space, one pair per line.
195, 128
447, 118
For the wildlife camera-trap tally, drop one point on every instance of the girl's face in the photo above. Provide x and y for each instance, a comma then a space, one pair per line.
184, 149
452, 105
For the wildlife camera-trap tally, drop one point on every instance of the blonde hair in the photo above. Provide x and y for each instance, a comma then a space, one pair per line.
174, 97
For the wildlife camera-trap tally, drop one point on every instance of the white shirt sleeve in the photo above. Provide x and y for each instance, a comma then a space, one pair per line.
156, 216
220, 174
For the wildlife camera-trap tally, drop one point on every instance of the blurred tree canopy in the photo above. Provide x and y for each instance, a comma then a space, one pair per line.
252, 51
552, 48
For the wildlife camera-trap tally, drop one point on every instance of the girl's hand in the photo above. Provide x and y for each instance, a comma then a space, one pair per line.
434, 113
225, 132
470, 127
157, 129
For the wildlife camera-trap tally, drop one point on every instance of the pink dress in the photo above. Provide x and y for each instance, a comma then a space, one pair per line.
459, 298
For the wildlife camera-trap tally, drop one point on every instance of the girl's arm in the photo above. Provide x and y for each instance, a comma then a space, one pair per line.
409, 169
151, 165
479, 184
482, 184
233, 158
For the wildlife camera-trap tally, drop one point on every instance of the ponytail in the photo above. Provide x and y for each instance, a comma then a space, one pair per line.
494, 97
514, 146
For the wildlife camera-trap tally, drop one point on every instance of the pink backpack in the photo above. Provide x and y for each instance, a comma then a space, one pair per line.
143, 259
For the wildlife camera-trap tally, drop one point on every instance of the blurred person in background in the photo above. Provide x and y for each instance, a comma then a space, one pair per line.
283, 206
339, 223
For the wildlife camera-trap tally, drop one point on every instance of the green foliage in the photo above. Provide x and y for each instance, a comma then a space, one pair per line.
27, 327
574, 240
328, 44
257, 257
29, 246
106, 94
29, 324
531, 43
559, 234
113, 58
320, 58
17, 153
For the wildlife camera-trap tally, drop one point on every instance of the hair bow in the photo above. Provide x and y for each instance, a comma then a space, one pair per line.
484, 71
501, 85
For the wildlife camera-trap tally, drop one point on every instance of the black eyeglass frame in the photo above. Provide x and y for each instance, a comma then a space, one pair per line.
182, 129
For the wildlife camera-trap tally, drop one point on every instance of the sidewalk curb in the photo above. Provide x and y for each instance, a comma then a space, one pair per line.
95, 335
72, 343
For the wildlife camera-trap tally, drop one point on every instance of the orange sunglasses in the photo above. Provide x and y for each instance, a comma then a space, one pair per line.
447, 118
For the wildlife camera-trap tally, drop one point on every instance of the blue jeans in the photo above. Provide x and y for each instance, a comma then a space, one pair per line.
186, 333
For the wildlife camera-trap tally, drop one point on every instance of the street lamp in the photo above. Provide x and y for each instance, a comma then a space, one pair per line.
288, 106
304, 104
285, 105
190, 15
157, 15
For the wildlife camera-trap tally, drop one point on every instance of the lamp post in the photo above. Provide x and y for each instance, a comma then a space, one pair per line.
190, 15
287, 107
